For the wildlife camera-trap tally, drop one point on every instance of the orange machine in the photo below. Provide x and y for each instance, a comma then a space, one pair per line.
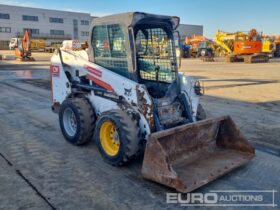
249, 44
194, 42
247, 47
242, 46
23, 52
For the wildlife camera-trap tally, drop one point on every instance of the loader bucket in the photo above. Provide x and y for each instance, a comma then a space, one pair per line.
189, 156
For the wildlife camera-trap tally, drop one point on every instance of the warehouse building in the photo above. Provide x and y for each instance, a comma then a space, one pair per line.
53, 25
42, 23
189, 30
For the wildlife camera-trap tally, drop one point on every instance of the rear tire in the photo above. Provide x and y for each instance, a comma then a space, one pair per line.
76, 119
117, 137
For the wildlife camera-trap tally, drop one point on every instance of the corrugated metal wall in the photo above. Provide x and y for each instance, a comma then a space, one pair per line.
189, 30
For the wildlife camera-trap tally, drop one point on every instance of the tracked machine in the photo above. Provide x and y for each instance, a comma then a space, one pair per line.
241, 46
23, 48
126, 93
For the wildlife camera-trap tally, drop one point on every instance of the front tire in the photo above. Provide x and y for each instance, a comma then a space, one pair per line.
76, 119
117, 137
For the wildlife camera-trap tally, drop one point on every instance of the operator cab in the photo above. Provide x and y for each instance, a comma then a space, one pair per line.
138, 46
141, 47
156, 57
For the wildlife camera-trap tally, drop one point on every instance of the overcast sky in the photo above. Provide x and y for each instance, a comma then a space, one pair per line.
226, 15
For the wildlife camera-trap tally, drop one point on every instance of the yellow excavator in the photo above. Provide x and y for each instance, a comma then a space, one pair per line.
241, 46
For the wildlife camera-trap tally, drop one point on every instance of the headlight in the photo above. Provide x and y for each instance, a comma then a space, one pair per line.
198, 88
184, 79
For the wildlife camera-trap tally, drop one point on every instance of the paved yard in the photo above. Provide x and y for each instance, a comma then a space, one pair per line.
40, 170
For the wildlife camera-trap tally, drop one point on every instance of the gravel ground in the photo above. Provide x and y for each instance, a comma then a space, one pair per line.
247, 92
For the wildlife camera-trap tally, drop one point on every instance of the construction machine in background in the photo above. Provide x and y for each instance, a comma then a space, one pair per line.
206, 51
241, 46
23, 50
35, 44
194, 43
52, 46
125, 91
13, 43
268, 46
185, 51
277, 45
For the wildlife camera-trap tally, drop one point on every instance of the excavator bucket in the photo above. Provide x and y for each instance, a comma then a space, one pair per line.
189, 156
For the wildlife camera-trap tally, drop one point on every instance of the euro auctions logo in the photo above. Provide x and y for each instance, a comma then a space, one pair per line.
192, 198
224, 198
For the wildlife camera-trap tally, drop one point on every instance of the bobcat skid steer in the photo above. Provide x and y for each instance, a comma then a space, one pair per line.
126, 93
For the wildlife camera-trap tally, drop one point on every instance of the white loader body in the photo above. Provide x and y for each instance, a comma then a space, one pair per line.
112, 82
125, 92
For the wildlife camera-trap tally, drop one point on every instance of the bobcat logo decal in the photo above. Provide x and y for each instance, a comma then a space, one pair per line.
127, 92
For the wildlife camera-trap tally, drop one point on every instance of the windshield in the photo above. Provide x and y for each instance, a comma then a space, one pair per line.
156, 58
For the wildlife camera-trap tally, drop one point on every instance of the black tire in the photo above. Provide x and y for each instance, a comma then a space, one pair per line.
266, 59
85, 120
201, 114
129, 137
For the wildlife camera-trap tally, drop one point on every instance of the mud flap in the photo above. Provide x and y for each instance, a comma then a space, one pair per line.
189, 156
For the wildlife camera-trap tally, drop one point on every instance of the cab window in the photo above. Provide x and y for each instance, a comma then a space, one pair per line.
108, 42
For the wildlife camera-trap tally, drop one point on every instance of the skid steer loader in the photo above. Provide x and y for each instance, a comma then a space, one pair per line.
125, 91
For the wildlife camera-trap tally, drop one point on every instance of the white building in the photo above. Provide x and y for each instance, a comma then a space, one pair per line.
54, 25
42, 23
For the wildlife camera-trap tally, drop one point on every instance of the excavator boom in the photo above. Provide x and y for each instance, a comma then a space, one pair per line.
23, 51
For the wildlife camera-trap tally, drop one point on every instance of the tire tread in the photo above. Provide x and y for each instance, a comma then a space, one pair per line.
131, 134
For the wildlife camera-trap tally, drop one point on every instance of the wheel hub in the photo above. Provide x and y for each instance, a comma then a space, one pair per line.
109, 138
70, 122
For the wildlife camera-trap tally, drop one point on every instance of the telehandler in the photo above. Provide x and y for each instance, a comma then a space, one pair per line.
129, 96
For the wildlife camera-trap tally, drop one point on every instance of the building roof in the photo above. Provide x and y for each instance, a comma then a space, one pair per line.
53, 10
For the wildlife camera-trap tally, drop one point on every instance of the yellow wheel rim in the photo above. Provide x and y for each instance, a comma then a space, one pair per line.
109, 138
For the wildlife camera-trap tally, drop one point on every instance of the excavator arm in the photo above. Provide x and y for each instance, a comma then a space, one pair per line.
221, 43
221, 38
23, 52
